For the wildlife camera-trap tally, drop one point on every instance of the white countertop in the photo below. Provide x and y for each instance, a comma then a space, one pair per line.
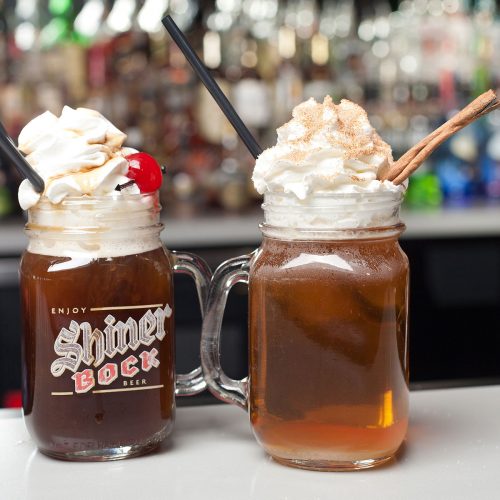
452, 453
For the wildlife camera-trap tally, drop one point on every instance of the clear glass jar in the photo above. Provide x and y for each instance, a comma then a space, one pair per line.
328, 307
98, 315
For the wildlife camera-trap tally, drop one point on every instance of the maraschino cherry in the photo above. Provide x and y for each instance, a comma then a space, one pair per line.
145, 171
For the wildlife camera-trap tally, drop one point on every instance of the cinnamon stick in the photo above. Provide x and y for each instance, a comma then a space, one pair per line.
400, 170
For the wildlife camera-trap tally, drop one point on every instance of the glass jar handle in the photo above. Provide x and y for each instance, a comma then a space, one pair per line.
193, 382
225, 277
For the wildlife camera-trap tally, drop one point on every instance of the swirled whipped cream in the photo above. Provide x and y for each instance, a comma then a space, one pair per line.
78, 153
325, 148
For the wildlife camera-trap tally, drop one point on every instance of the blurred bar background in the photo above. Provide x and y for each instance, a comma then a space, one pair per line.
411, 64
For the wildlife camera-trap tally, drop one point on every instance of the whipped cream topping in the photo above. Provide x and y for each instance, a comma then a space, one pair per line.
78, 153
325, 148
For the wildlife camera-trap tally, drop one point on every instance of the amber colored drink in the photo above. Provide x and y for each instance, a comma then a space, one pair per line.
99, 353
328, 350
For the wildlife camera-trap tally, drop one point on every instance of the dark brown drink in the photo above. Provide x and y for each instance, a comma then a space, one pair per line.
99, 353
328, 350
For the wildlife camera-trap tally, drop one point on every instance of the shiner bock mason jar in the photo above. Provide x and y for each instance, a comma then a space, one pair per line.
98, 311
328, 302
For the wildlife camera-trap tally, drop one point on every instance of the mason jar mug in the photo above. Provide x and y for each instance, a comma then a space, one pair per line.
328, 305
98, 314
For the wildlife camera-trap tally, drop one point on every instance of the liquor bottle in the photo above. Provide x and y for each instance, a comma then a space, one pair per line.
318, 77
192, 150
89, 20
289, 84
484, 14
251, 94
4, 45
424, 189
6, 193
60, 27
457, 167
490, 165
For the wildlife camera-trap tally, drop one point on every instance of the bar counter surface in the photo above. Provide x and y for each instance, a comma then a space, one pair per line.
221, 229
452, 452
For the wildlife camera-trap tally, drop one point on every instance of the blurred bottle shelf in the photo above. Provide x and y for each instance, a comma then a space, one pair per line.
219, 229
410, 63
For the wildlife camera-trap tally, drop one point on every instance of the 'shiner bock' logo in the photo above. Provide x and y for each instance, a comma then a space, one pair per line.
97, 346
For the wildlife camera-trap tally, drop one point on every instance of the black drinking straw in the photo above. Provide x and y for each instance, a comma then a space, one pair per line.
17, 159
212, 86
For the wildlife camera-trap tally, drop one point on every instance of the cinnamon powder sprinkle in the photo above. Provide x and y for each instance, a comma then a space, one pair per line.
347, 128
297, 155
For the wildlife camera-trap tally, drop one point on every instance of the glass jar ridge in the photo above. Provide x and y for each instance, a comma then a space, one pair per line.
104, 226
331, 216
